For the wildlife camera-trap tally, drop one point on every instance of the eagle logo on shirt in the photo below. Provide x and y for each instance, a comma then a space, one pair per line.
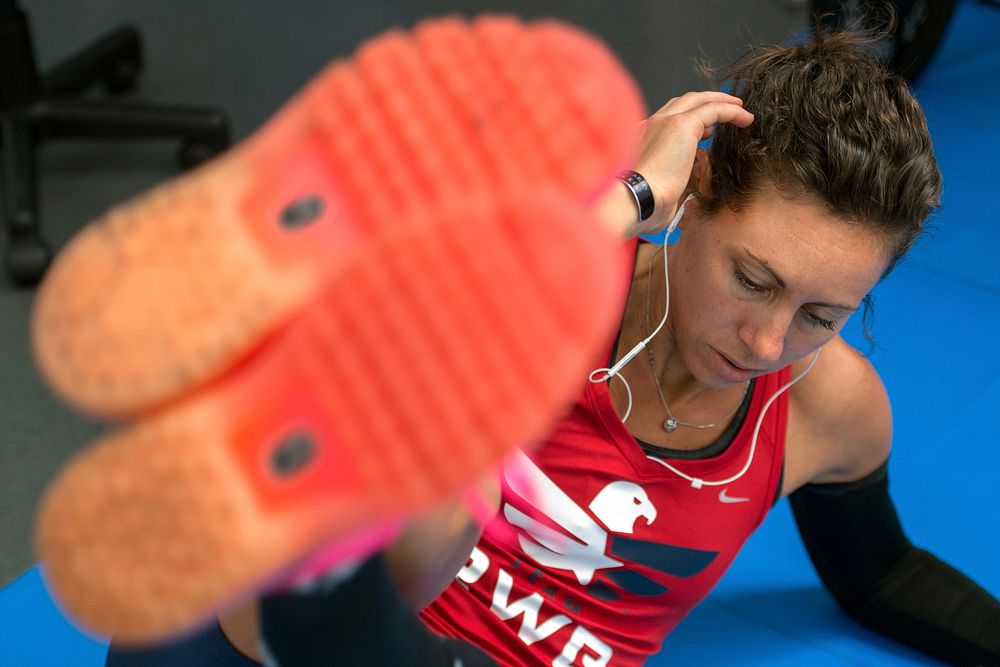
580, 544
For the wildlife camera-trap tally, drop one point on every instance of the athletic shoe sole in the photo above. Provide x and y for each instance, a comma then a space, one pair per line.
171, 289
339, 324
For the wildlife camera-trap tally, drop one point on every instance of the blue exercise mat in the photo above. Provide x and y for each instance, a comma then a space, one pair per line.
34, 633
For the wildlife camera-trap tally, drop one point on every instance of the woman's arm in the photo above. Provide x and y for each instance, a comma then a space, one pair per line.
668, 157
855, 540
425, 558
840, 429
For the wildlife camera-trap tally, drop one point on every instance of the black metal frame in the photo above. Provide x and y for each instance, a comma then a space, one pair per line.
917, 27
35, 107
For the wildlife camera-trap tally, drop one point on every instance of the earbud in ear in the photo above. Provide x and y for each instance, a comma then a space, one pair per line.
677, 216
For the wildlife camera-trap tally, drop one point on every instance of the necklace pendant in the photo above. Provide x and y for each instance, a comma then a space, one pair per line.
670, 425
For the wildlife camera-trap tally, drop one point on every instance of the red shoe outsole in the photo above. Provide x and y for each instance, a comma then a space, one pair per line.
172, 288
369, 366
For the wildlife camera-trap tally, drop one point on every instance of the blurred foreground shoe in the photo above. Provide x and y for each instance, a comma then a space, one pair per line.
339, 323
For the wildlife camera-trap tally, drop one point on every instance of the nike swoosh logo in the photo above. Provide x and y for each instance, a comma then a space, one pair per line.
725, 498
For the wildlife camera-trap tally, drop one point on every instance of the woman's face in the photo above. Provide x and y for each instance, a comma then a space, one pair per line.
755, 290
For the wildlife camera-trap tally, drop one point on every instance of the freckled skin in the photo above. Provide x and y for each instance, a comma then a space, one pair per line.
821, 258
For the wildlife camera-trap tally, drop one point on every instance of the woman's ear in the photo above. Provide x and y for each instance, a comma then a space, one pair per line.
701, 174
699, 184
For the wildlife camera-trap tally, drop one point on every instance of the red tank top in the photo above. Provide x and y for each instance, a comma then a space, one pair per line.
597, 551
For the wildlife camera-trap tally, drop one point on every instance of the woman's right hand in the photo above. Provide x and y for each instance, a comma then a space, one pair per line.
668, 148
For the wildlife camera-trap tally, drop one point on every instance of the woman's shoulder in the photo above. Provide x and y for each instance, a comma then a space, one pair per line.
843, 409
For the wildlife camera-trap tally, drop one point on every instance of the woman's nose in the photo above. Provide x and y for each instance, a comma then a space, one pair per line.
765, 338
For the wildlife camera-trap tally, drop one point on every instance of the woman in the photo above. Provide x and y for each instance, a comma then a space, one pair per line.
689, 431
631, 511
634, 507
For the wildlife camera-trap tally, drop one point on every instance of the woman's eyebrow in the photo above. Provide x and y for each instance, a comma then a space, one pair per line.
778, 279
767, 267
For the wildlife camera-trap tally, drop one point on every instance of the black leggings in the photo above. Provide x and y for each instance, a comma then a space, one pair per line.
361, 620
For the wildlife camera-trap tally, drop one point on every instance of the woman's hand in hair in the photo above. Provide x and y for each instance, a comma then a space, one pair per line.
668, 147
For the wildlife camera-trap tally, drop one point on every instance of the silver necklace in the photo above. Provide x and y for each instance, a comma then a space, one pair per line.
671, 423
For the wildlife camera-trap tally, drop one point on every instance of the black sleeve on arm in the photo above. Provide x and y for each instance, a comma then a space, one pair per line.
856, 543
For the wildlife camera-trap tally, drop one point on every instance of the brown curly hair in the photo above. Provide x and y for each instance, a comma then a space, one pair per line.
834, 124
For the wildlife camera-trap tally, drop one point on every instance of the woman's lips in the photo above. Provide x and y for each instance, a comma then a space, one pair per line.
731, 371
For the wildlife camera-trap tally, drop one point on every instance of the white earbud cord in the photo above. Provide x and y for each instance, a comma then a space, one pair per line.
615, 371
698, 483
604, 374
